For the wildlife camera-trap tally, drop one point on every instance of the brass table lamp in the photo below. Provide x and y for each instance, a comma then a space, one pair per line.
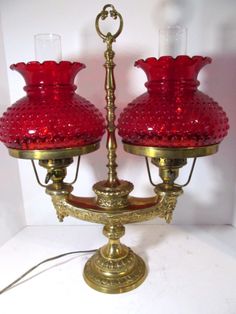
178, 130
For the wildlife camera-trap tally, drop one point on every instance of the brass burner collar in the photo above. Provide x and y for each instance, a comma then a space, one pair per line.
171, 153
53, 153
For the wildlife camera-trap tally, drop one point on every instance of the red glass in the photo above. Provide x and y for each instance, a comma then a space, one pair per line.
173, 112
51, 115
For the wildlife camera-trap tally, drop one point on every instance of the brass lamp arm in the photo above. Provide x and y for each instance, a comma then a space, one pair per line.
139, 209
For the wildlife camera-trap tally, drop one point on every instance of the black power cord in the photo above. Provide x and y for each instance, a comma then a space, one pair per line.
11, 285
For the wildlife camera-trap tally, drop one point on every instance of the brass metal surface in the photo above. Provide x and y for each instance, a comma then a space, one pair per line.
109, 9
114, 268
110, 86
56, 172
115, 276
138, 210
53, 153
169, 168
172, 153
110, 197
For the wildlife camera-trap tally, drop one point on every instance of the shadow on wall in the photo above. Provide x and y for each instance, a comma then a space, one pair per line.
11, 205
219, 83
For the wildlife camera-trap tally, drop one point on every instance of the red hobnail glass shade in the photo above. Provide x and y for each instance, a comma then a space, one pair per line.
51, 115
173, 112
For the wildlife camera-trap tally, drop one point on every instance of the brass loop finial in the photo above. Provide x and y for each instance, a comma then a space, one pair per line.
108, 10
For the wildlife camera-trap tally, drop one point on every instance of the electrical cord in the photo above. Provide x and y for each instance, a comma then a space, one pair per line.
11, 285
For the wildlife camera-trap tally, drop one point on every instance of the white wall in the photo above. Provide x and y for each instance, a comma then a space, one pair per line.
210, 197
12, 216
234, 213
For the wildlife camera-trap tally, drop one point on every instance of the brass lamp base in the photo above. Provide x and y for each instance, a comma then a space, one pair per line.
115, 275
114, 268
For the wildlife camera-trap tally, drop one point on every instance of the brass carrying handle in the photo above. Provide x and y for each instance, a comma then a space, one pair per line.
107, 10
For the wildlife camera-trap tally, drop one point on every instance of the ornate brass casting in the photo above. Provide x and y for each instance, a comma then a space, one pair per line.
114, 268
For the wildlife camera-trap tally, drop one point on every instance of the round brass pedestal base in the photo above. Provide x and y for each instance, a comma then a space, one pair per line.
115, 275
